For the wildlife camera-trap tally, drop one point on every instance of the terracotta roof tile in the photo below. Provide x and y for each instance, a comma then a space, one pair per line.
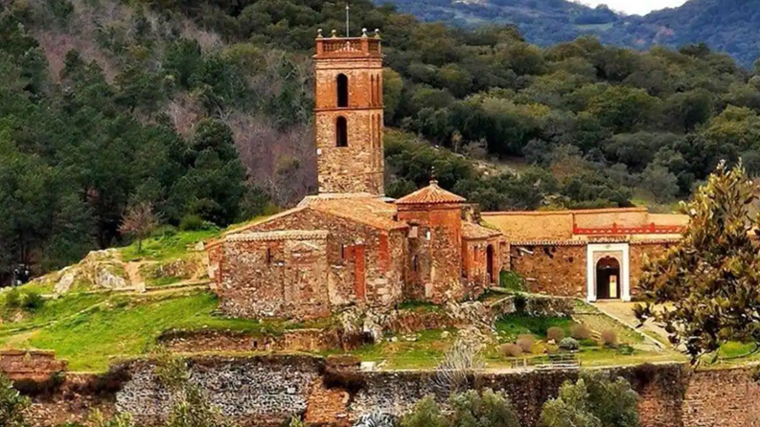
370, 211
475, 231
430, 195
278, 235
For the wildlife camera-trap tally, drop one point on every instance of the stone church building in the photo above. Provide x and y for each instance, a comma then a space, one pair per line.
349, 245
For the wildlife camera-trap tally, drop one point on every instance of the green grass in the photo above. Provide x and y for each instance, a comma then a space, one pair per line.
119, 325
509, 327
169, 246
425, 353
162, 281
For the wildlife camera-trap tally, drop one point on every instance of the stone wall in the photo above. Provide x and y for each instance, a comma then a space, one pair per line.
31, 365
638, 251
357, 167
722, 398
254, 390
351, 264
266, 390
276, 274
552, 269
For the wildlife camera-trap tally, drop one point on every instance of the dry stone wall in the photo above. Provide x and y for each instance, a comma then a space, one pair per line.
259, 388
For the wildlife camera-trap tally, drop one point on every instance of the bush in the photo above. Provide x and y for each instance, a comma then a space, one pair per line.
489, 409
569, 344
555, 334
164, 231
525, 342
625, 350
375, 420
609, 338
426, 413
32, 301
13, 405
511, 350
580, 331
13, 299
511, 280
191, 222
595, 400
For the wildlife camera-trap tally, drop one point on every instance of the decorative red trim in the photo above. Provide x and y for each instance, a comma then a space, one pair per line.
614, 229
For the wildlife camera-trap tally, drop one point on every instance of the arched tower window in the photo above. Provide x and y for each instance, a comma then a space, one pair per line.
342, 90
341, 132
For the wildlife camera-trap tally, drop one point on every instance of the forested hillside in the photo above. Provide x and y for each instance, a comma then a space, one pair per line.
201, 111
725, 25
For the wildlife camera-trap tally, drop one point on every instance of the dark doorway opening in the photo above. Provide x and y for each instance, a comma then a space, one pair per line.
608, 278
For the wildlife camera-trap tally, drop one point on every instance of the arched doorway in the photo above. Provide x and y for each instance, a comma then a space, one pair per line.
490, 264
608, 278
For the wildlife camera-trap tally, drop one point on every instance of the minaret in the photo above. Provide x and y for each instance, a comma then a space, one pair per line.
349, 114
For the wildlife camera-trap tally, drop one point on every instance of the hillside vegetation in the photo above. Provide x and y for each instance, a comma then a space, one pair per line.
725, 25
201, 111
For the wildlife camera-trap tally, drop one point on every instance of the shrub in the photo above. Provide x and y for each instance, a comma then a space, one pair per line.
164, 231
511, 350
580, 331
426, 413
118, 420
609, 338
569, 344
594, 400
32, 301
13, 405
191, 222
511, 280
625, 350
525, 342
375, 420
555, 334
489, 409
13, 299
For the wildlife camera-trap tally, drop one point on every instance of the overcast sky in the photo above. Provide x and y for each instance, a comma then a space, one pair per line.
635, 7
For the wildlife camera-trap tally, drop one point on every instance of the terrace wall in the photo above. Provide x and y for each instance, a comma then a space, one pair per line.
266, 390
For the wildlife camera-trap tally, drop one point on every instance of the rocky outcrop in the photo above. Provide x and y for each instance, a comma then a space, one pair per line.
98, 270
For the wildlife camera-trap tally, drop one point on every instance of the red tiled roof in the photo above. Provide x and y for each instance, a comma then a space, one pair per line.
370, 211
430, 195
475, 231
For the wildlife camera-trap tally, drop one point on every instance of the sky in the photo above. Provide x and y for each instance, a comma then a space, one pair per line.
635, 7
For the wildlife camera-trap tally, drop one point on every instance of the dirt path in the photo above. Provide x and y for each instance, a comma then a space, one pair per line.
623, 313
133, 275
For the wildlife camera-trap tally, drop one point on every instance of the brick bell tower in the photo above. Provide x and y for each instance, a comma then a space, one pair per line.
349, 114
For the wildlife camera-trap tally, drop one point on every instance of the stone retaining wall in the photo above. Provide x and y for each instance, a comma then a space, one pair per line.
30, 364
267, 390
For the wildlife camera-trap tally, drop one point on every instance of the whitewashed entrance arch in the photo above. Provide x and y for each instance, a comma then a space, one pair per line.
596, 251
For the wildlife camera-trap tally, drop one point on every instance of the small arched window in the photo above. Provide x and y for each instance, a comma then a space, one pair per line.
341, 132
342, 90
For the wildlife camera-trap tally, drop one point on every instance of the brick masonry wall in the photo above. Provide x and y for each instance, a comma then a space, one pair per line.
30, 365
436, 274
722, 398
275, 278
637, 253
359, 166
384, 256
556, 270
